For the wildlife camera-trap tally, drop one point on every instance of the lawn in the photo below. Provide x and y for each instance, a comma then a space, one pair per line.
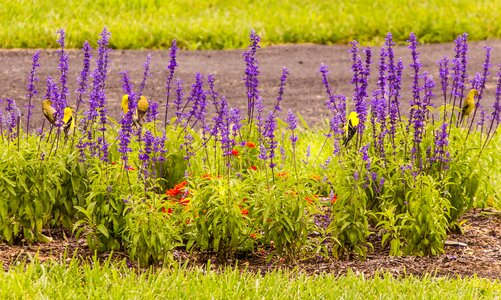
220, 24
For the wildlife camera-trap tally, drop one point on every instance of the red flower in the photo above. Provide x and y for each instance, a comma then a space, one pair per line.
130, 168
177, 189
308, 199
334, 199
245, 212
254, 168
250, 145
207, 176
113, 162
234, 152
168, 210
253, 236
173, 192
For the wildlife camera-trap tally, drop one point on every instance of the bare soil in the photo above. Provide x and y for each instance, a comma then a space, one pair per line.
304, 94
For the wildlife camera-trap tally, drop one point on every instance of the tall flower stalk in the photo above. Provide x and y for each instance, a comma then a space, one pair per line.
32, 91
171, 68
251, 75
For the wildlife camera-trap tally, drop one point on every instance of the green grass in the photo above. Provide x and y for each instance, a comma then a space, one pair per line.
219, 24
106, 281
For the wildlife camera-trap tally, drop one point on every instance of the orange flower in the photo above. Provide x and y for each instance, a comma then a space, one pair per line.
245, 212
181, 185
234, 152
315, 177
184, 201
173, 192
253, 236
334, 199
206, 176
177, 189
113, 162
250, 145
130, 168
308, 199
254, 168
282, 174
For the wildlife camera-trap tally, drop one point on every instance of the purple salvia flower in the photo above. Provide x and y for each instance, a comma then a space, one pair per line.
482, 117
326, 163
394, 108
292, 125
212, 91
441, 153
63, 67
269, 136
496, 112
97, 97
199, 100
125, 131
146, 74
331, 102
52, 94
416, 66
479, 82
262, 151
251, 74
145, 153
178, 102
416, 102
486, 72
32, 91
83, 78
170, 69
159, 148
459, 74
364, 150
283, 78
152, 113
337, 105
360, 76
12, 118
444, 79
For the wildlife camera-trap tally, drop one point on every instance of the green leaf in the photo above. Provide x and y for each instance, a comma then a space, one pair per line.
101, 228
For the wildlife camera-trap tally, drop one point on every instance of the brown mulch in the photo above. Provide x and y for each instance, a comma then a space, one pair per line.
481, 256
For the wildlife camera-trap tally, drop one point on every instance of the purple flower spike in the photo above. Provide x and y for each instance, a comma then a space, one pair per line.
292, 122
360, 78
63, 67
82, 80
12, 117
283, 78
170, 69
251, 74
125, 131
146, 74
32, 91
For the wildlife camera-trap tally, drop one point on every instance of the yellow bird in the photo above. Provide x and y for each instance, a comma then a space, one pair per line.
353, 122
68, 120
141, 110
49, 111
469, 104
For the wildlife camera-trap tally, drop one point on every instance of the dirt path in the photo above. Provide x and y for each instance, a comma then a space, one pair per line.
304, 92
